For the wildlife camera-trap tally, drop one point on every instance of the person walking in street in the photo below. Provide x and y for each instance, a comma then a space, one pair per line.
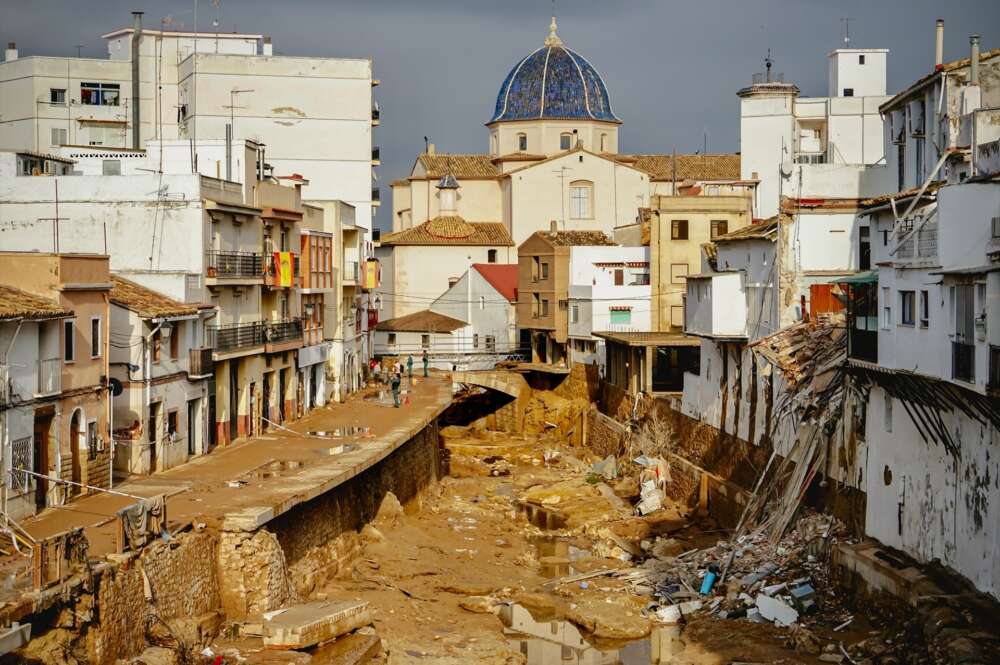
425, 363
395, 389
409, 366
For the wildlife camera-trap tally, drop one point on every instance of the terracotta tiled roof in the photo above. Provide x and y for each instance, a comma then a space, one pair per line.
761, 231
575, 238
689, 167
518, 157
147, 303
460, 166
423, 321
451, 231
501, 276
899, 196
18, 304
399, 182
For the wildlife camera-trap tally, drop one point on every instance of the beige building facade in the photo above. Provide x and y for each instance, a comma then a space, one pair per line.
71, 440
679, 227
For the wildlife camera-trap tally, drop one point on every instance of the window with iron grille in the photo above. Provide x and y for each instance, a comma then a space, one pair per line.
92, 440
20, 459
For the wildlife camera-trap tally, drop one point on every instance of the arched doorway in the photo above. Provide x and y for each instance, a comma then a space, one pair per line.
76, 432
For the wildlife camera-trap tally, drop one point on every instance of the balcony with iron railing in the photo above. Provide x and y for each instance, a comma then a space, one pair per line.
224, 265
352, 272
283, 335
376, 196
963, 361
376, 156
376, 115
235, 336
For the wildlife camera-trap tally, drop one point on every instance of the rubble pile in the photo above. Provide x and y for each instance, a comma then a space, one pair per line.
749, 577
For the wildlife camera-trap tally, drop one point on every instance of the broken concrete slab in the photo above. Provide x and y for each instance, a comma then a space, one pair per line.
302, 626
776, 611
14, 637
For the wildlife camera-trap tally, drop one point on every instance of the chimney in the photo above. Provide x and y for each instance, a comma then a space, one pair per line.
136, 117
430, 148
939, 44
553, 226
11, 53
268, 48
974, 60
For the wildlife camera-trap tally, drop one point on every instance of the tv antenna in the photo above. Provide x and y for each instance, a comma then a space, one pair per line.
846, 22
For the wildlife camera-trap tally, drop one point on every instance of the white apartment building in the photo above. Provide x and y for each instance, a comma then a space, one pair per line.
609, 291
924, 327
815, 147
316, 115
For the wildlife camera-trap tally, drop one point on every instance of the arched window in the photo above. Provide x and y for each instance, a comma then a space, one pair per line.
604, 142
565, 141
493, 144
581, 199
522, 142
491, 256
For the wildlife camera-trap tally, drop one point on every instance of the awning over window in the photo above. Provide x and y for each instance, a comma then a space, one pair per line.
866, 277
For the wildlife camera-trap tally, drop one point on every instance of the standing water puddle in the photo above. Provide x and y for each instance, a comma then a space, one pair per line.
557, 556
545, 640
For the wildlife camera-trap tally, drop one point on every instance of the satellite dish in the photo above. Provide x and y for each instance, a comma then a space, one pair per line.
115, 386
786, 169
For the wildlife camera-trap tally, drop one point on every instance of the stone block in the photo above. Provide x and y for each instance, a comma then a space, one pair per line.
302, 626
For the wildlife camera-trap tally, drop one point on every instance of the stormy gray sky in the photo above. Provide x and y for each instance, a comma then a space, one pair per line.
672, 67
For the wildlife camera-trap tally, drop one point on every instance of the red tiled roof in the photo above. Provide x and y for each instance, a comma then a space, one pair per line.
501, 276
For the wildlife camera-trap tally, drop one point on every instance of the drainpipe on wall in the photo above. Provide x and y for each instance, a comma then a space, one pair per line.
136, 38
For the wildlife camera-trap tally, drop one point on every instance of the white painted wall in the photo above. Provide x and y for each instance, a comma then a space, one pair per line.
926, 502
474, 300
862, 70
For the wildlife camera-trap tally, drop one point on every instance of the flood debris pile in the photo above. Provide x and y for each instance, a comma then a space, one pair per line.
811, 359
749, 578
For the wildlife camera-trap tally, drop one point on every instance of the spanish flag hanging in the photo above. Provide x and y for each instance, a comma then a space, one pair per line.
283, 268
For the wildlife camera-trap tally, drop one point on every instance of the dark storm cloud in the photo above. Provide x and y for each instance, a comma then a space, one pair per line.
672, 68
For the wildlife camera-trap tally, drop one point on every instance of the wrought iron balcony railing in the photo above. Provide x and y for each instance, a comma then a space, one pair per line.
235, 264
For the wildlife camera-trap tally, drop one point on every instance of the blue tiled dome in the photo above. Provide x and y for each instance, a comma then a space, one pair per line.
553, 82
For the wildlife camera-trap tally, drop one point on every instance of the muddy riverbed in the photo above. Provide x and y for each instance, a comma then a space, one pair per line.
487, 570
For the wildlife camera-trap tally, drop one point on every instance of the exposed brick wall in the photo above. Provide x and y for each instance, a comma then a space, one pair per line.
604, 435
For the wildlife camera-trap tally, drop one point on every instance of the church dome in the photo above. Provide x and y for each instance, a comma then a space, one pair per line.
555, 83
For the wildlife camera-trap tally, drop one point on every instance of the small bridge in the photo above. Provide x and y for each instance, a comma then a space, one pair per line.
508, 383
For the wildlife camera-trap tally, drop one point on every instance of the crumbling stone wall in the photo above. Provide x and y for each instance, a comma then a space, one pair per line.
252, 573
182, 575
120, 626
604, 435
183, 582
